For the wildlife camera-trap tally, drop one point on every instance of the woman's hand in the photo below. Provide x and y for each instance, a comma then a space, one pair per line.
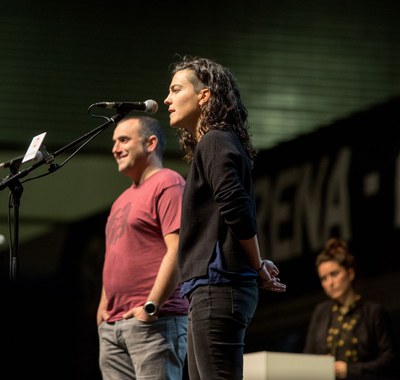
267, 277
341, 369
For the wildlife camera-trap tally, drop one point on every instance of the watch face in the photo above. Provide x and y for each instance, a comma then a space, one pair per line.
150, 308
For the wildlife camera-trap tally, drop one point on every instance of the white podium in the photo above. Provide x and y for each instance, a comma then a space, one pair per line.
287, 366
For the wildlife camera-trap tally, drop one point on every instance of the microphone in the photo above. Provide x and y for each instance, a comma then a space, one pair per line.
149, 106
17, 161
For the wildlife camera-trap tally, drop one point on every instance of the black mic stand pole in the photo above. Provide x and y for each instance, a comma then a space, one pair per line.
16, 190
13, 183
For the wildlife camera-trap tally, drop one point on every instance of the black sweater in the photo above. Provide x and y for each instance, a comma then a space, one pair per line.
218, 205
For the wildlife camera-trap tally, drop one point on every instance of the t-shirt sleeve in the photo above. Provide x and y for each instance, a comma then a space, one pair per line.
169, 208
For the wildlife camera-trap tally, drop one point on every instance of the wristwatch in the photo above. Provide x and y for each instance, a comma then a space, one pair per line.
150, 308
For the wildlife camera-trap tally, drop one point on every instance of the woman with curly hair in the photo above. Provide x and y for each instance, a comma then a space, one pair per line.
356, 331
219, 256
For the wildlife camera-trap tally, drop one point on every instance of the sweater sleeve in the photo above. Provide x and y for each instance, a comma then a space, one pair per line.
316, 335
227, 170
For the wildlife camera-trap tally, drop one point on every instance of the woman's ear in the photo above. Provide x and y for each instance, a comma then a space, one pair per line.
352, 273
204, 96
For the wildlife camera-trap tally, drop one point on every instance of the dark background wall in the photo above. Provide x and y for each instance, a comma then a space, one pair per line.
319, 78
330, 183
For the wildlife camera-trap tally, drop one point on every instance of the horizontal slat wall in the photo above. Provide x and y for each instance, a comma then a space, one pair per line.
300, 65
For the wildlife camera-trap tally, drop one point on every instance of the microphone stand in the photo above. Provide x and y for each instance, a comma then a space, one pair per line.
12, 181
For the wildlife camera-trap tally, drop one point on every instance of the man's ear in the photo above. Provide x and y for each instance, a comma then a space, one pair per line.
152, 143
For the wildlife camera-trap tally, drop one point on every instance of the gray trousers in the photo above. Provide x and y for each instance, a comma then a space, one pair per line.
135, 350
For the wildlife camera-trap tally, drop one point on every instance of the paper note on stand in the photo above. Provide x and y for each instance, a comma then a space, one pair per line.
34, 147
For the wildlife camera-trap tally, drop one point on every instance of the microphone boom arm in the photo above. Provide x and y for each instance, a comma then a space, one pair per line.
23, 173
13, 183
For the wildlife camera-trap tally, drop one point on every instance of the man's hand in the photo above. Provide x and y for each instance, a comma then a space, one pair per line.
102, 316
139, 313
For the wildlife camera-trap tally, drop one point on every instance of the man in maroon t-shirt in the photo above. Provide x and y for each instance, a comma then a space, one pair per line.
141, 317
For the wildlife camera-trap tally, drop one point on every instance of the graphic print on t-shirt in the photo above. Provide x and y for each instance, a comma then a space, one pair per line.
117, 223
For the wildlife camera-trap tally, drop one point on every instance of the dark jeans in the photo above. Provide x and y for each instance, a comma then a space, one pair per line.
218, 319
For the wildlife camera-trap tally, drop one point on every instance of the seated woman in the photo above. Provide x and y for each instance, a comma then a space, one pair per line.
356, 331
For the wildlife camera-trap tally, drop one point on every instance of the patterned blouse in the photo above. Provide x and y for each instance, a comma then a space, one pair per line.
342, 341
